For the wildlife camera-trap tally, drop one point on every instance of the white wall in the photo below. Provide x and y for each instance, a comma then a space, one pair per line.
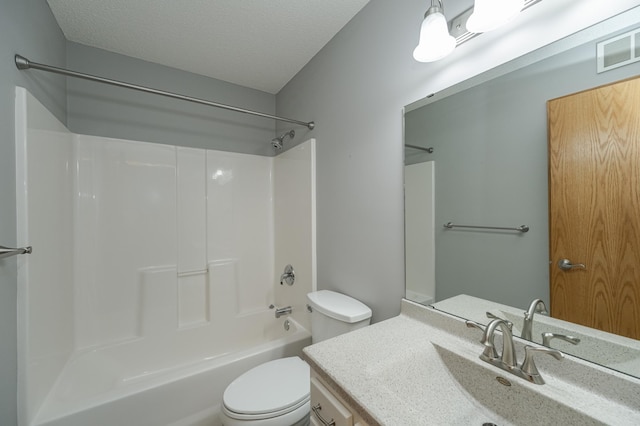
28, 28
419, 229
44, 173
294, 181
355, 89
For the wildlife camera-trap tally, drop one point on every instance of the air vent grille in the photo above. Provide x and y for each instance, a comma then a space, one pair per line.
618, 51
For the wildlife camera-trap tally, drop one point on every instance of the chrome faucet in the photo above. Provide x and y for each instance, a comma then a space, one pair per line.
507, 359
492, 316
489, 354
288, 276
283, 311
537, 306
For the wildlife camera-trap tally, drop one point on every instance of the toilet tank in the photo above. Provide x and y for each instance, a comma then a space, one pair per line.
335, 313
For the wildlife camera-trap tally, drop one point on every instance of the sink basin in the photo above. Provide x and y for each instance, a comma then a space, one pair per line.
507, 398
475, 393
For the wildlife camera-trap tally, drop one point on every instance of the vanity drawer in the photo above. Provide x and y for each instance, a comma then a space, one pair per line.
327, 406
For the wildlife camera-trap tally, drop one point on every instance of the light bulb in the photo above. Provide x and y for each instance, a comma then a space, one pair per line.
435, 41
490, 14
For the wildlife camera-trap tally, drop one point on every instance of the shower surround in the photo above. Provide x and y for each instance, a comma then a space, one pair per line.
152, 273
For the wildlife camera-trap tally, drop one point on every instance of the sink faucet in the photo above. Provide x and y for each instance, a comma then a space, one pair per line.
537, 306
507, 359
492, 316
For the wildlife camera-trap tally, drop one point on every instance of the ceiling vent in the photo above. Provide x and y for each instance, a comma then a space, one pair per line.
618, 51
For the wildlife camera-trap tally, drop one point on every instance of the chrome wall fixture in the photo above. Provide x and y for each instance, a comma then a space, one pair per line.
278, 142
24, 64
8, 252
288, 276
521, 228
486, 15
421, 148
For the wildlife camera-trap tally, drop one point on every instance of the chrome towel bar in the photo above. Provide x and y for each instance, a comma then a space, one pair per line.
8, 252
521, 228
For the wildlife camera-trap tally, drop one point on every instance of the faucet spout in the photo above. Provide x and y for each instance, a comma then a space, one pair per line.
536, 306
508, 350
283, 311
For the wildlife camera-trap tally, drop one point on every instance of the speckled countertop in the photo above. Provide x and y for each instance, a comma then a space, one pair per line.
422, 367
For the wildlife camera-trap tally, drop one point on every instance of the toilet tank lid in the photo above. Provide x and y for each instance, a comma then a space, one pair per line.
339, 306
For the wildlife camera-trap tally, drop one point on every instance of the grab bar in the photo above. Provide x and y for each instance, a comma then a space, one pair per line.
521, 228
8, 252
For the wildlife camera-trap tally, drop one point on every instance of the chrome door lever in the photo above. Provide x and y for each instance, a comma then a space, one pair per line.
566, 265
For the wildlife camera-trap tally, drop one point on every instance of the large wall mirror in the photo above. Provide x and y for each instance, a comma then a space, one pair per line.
481, 157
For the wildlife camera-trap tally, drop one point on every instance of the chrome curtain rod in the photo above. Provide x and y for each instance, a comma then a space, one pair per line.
23, 64
521, 228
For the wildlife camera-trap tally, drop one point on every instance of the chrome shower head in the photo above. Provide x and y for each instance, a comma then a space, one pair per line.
277, 143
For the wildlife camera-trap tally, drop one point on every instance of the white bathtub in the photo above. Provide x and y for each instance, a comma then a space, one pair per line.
177, 382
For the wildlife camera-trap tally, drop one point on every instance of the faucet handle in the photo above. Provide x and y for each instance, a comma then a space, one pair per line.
547, 336
473, 324
489, 351
529, 367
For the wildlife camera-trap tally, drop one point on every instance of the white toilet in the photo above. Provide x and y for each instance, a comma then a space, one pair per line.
276, 393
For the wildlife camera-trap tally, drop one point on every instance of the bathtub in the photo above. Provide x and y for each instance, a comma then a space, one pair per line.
177, 381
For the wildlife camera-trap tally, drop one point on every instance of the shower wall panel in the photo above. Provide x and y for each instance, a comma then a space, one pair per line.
44, 175
127, 205
140, 246
294, 224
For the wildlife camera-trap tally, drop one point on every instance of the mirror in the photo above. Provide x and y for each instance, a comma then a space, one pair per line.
489, 167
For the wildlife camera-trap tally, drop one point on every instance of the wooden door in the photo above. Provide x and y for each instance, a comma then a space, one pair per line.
594, 207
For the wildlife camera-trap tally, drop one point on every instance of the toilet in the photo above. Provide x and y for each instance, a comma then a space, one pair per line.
276, 393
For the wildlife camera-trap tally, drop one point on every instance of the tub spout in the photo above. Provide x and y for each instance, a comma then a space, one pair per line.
283, 311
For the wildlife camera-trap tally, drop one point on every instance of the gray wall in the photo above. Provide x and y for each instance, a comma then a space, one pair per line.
355, 90
102, 110
490, 153
28, 28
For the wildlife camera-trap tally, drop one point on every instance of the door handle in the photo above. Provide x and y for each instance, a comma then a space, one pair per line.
566, 265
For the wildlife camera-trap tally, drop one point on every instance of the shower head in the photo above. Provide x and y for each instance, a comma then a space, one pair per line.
277, 143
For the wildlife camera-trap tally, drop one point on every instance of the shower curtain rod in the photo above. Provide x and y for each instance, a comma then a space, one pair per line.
23, 64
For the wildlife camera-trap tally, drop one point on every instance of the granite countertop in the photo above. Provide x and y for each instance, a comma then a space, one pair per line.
393, 373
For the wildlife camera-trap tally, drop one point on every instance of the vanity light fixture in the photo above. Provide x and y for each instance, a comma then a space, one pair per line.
435, 41
490, 14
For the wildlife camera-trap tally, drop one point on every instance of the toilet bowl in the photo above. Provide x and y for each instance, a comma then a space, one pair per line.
276, 393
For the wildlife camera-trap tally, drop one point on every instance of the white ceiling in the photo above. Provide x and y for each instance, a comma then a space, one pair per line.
260, 44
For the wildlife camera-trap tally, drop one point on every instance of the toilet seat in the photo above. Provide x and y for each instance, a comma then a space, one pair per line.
269, 390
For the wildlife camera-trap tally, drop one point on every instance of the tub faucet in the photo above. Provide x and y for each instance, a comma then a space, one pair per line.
537, 306
288, 276
283, 311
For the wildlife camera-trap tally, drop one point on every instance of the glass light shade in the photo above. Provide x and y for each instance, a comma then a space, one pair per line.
490, 14
435, 41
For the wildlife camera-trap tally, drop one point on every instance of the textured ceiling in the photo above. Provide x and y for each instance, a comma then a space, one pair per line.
254, 43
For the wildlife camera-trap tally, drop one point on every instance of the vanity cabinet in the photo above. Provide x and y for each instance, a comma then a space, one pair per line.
327, 408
